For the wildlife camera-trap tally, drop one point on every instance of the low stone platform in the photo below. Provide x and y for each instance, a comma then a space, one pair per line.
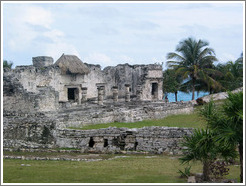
90, 113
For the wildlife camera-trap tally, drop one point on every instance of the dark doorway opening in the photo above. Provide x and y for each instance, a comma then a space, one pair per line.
91, 142
71, 93
105, 143
154, 91
135, 145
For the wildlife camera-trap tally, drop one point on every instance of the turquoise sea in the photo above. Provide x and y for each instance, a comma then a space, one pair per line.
184, 96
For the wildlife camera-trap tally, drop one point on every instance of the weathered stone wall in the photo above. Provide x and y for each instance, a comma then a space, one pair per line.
149, 139
220, 95
16, 98
134, 75
134, 111
37, 130
43, 74
96, 76
28, 130
31, 78
42, 61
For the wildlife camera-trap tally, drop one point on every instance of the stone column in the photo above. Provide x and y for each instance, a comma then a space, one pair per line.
77, 95
100, 95
84, 94
127, 99
139, 92
103, 92
115, 93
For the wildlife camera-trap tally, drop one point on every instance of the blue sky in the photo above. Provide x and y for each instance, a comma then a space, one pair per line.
112, 33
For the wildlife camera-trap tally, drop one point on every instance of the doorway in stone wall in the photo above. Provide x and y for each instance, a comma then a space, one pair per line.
72, 94
154, 91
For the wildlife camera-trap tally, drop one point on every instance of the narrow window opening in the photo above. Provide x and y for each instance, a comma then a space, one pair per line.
105, 143
135, 145
154, 90
91, 142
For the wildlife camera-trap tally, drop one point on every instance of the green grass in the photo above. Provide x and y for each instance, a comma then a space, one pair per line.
183, 120
58, 154
131, 169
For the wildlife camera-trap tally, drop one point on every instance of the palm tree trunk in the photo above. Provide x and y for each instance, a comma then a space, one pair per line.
193, 89
240, 148
206, 170
176, 96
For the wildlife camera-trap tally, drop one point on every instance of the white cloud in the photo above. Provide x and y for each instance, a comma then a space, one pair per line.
31, 27
99, 58
132, 33
36, 16
19, 29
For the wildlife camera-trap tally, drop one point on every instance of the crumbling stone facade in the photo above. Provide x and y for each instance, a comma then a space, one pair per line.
38, 131
41, 101
69, 85
150, 139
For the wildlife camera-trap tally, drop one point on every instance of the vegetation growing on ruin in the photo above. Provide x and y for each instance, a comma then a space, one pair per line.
125, 169
182, 120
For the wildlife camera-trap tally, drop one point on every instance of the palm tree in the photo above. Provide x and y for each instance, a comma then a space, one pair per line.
194, 61
228, 124
232, 77
7, 64
199, 147
171, 82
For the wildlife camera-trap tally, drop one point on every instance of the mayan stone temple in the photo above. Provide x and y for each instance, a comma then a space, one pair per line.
43, 101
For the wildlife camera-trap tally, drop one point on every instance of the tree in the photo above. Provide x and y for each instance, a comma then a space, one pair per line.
201, 147
232, 74
227, 124
7, 64
171, 82
194, 61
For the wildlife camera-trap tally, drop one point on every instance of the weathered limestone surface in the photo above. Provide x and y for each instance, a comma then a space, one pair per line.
43, 73
42, 61
42, 100
23, 129
135, 75
219, 96
119, 112
150, 139
40, 131
28, 130
16, 98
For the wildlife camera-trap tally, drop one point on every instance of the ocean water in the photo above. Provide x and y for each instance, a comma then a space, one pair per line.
185, 96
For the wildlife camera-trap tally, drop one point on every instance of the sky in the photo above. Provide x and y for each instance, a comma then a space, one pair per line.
116, 33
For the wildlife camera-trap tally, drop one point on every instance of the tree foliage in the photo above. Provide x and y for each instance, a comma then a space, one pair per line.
171, 82
194, 62
232, 74
7, 64
223, 135
202, 147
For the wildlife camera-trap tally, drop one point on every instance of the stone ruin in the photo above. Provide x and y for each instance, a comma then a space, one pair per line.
42, 101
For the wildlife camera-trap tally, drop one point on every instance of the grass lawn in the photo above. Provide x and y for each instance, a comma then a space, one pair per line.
183, 120
127, 169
